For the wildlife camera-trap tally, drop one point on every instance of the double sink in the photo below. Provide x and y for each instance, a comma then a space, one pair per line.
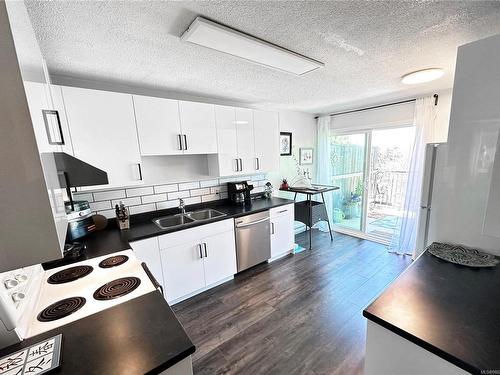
172, 221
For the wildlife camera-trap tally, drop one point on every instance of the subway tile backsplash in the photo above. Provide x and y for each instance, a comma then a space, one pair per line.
162, 196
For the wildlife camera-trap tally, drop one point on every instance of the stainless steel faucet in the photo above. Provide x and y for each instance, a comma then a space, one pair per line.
182, 206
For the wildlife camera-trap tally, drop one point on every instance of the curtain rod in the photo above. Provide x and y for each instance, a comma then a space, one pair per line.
435, 96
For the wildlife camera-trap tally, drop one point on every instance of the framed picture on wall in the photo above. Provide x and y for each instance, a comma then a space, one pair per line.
305, 156
285, 144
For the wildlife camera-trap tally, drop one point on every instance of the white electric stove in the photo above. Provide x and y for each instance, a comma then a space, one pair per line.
43, 300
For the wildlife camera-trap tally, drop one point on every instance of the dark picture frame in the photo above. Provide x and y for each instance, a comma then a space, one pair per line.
285, 143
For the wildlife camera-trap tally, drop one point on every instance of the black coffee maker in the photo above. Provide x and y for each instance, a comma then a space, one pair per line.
239, 192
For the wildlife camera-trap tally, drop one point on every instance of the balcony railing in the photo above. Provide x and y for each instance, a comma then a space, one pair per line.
387, 189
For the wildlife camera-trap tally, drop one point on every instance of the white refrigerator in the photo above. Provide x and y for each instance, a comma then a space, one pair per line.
461, 191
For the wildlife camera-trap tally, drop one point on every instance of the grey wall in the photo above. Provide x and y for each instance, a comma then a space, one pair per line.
27, 231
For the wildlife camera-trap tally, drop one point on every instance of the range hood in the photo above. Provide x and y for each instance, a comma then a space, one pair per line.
76, 173
72, 173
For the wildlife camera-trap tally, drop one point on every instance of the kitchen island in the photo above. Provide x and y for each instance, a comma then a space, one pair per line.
438, 318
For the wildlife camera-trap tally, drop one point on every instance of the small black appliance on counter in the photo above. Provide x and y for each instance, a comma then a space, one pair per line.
239, 192
80, 221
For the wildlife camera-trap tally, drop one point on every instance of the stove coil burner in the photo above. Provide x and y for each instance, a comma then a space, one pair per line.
113, 261
69, 274
61, 309
117, 288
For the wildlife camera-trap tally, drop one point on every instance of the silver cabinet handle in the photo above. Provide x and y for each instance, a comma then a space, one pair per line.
180, 142
48, 116
280, 212
272, 228
258, 164
185, 142
199, 249
241, 165
237, 165
205, 246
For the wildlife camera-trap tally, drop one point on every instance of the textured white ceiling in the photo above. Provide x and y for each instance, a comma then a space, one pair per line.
366, 46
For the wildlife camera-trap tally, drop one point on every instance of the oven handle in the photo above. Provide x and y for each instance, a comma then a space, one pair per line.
152, 278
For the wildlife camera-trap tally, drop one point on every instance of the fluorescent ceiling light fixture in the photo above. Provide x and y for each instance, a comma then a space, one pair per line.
224, 39
422, 76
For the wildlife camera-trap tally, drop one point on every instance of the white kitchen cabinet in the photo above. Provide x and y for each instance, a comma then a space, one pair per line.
282, 230
104, 134
219, 257
195, 259
226, 138
198, 127
266, 130
148, 251
183, 271
48, 117
158, 125
245, 140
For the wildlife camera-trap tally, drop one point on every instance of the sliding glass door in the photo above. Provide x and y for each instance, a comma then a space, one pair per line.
371, 169
348, 154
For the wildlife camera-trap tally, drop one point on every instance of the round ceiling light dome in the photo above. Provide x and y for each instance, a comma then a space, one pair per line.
422, 76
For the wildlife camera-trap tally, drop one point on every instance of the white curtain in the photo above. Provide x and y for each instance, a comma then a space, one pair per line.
324, 166
404, 240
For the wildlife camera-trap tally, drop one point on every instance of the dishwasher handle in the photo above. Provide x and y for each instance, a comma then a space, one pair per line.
242, 224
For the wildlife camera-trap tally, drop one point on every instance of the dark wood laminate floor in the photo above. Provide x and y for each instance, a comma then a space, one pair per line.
297, 315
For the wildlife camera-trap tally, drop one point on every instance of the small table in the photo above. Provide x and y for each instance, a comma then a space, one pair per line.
311, 212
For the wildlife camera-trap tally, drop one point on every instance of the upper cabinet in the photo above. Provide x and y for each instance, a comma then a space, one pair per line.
248, 141
199, 133
104, 134
48, 117
245, 140
158, 126
228, 163
172, 127
266, 129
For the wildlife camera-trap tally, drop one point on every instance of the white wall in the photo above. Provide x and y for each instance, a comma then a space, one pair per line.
303, 129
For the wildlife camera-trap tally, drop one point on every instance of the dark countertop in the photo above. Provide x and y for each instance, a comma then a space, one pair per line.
112, 239
450, 310
136, 337
142, 334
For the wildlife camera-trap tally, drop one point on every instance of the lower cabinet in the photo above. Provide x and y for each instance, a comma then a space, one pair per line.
148, 251
282, 230
197, 258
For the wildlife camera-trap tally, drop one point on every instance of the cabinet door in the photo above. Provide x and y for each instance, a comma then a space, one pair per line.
103, 133
219, 253
282, 230
266, 128
148, 251
48, 117
158, 125
198, 126
245, 136
182, 270
226, 140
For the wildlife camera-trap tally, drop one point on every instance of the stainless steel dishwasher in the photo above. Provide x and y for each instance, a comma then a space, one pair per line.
253, 240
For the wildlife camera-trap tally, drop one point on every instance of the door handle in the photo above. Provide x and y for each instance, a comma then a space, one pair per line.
185, 142
199, 249
180, 142
206, 252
